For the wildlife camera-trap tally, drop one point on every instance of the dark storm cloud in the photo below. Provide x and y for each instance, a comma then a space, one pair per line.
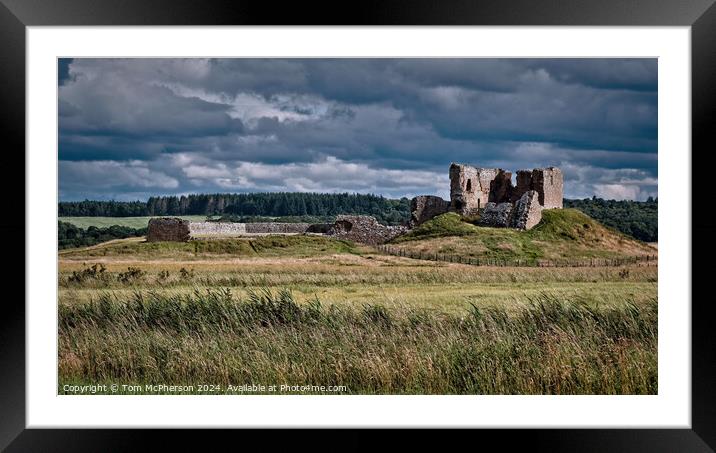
63, 70
612, 73
150, 126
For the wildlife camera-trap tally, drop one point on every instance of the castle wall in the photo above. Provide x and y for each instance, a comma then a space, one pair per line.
501, 187
228, 229
464, 185
486, 176
470, 187
277, 228
178, 230
425, 207
217, 229
549, 184
524, 184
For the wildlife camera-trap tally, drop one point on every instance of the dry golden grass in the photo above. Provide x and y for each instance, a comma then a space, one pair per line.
355, 280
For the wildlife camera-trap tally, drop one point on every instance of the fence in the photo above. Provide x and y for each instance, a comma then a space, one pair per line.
647, 260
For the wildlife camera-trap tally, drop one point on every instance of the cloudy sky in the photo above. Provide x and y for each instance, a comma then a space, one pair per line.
133, 128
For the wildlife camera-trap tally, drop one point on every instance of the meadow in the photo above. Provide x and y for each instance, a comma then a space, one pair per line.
314, 310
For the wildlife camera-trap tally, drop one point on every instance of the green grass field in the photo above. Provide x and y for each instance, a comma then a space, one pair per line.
312, 310
131, 222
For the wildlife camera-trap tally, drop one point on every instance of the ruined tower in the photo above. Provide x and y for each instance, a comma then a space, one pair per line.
548, 182
470, 187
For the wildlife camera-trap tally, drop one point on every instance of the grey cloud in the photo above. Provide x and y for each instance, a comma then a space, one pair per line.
593, 116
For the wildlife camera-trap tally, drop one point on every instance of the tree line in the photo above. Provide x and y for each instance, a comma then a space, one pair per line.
638, 219
274, 204
70, 236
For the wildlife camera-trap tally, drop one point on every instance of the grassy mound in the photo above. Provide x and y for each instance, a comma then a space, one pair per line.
562, 234
262, 246
450, 224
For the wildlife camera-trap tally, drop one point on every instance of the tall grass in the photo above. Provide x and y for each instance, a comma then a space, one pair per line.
551, 347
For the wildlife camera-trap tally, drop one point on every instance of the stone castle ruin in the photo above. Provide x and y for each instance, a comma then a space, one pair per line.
471, 188
474, 191
489, 193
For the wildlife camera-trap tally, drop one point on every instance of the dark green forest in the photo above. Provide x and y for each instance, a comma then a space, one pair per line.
69, 236
635, 218
276, 204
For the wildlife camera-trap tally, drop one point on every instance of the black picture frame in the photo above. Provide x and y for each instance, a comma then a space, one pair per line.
700, 15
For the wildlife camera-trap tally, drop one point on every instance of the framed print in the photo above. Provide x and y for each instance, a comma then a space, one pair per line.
234, 222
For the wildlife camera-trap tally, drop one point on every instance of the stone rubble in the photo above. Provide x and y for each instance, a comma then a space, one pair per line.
364, 229
496, 215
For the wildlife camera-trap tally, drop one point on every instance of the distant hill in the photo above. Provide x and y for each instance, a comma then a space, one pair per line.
562, 234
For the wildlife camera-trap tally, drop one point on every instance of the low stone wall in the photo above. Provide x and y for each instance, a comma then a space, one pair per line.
217, 229
277, 228
364, 229
168, 229
228, 229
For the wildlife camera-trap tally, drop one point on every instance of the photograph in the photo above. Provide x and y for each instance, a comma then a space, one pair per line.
357, 226
241, 219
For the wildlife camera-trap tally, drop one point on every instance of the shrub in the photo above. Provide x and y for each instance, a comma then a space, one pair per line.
131, 275
94, 272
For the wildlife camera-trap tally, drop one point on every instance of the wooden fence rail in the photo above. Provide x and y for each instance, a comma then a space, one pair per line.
648, 260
